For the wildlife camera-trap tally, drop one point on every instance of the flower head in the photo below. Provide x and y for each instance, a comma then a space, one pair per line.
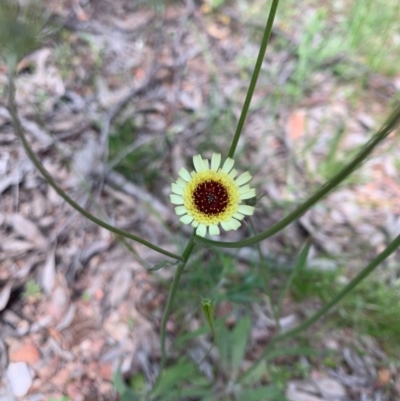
211, 195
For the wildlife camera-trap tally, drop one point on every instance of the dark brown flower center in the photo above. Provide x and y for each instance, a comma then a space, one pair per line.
211, 197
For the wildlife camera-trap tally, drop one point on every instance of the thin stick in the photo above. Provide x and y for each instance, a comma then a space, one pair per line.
20, 132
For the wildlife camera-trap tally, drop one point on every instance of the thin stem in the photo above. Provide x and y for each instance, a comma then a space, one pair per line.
171, 296
20, 132
324, 190
254, 77
335, 300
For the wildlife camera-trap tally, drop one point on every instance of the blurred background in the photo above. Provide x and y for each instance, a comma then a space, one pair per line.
114, 103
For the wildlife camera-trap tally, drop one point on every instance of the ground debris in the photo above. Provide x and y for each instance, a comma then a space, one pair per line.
77, 303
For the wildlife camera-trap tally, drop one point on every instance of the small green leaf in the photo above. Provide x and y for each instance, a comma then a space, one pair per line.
162, 264
31, 290
208, 311
183, 370
118, 383
256, 375
138, 383
125, 393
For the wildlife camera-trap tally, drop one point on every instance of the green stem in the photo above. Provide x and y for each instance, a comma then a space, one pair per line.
349, 287
20, 132
324, 190
171, 296
254, 77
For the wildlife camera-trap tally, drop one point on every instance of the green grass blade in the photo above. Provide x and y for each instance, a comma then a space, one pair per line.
261, 394
300, 265
239, 338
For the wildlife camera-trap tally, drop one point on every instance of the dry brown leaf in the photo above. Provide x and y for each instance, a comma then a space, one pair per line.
26, 353
16, 246
218, 32
296, 125
121, 283
5, 294
85, 162
12, 179
384, 376
27, 229
48, 275
3, 357
42, 136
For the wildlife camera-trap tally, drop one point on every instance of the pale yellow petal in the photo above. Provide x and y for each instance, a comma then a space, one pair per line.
234, 224
248, 195
176, 199
215, 161
201, 230
246, 209
243, 179
181, 182
214, 229
238, 216
186, 219
184, 174
198, 163
195, 223
180, 210
177, 189
206, 164
227, 167
233, 173
244, 189
226, 226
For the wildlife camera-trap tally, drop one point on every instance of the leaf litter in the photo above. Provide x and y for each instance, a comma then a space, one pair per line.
94, 307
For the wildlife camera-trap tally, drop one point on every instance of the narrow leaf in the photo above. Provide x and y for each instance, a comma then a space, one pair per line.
173, 376
299, 266
261, 394
256, 375
303, 351
223, 340
240, 336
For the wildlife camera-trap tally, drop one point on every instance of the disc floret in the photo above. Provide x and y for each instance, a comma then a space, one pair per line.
211, 195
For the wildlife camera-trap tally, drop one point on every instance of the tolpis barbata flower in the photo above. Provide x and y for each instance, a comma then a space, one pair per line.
211, 195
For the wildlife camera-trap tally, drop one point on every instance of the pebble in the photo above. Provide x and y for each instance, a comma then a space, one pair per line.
20, 378
293, 393
6, 394
330, 389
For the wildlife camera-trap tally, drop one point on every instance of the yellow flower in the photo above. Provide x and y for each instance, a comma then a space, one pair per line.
211, 195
